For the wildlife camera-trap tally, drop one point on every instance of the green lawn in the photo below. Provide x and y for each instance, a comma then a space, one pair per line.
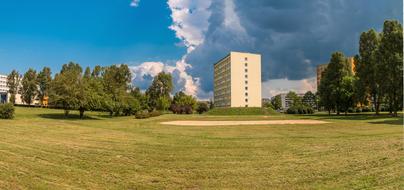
41, 150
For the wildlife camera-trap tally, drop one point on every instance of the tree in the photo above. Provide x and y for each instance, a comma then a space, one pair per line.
183, 103
294, 98
347, 93
163, 103
276, 102
391, 63
367, 69
331, 89
115, 81
66, 89
325, 92
309, 99
13, 83
44, 79
161, 87
141, 97
29, 86
87, 73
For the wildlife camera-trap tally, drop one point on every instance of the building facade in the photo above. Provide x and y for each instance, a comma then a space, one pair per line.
237, 80
3, 89
287, 102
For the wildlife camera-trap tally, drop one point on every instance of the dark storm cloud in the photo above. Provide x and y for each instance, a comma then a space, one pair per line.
293, 36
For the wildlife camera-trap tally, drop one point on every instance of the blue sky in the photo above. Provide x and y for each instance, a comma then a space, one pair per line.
51, 33
186, 37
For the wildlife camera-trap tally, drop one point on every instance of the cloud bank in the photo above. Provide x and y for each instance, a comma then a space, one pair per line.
293, 36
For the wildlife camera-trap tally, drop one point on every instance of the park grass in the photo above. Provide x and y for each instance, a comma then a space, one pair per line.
40, 149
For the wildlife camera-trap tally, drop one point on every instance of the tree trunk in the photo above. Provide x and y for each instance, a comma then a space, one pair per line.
81, 110
66, 113
376, 104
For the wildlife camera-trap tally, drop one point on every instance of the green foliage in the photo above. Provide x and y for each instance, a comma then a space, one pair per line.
66, 88
13, 82
115, 80
44, 80
242, 111
331, 89
391, 64
163, 103
7, 111
29, 86
347, 94
202, 107
276, 102
309, 99
144, 114
300, 109
183, 103
161, 87
296, 100
367, 69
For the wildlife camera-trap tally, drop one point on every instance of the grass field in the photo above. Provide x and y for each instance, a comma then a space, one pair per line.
40, 149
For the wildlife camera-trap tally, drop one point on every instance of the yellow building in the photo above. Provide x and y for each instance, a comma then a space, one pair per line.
237, 80
321, 68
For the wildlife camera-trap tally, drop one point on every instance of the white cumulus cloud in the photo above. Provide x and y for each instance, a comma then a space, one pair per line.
274, 87
134, 3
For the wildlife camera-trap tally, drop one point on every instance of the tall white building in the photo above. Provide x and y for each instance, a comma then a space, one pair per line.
3, 89
287, 102
237, 80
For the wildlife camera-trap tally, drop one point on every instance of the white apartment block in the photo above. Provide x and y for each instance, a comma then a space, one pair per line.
3, 89
287, 102
5, 96
237, 80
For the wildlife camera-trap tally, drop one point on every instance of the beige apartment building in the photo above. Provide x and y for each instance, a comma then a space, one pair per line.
237, 80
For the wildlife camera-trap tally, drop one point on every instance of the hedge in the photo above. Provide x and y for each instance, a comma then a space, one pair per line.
7, 111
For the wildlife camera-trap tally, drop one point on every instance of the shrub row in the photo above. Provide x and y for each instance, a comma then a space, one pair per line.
7, 111
300, 110
146, 114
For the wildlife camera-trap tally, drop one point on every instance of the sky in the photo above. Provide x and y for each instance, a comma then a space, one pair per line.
186, 37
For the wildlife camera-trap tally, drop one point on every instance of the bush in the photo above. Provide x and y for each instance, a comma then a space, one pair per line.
155, 113
358, 110
202, 107
300, 110
142, 114
7, 111
350, 110
146, 114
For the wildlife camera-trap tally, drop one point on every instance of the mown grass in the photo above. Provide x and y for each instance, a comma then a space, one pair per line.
40, 149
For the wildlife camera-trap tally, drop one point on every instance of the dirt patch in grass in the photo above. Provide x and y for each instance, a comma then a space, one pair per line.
258, 122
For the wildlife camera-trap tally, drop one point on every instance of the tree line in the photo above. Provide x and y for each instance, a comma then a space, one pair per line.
106, 89
378, 77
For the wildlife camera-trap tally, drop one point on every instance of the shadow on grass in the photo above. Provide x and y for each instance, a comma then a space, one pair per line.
388, 119
397, 121
61, 116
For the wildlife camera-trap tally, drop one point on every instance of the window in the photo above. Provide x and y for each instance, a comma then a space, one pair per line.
246, 64
246, 88
246, 82
246, 76
245, 59
246, 70
246, 106
246, 94
246, 100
